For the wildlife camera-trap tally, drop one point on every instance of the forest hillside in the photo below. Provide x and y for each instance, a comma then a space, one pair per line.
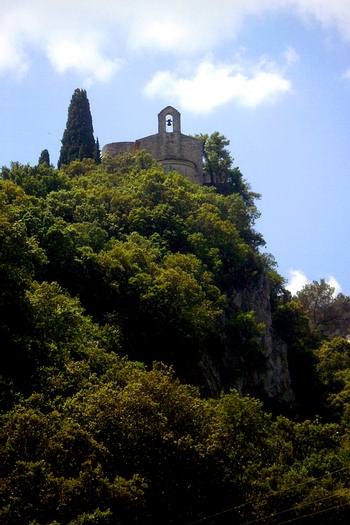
154, 369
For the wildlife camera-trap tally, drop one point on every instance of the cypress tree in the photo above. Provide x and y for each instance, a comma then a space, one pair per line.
78, 138
44, 157
97, 152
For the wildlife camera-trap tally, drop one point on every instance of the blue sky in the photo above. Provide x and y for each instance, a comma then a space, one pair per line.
272, 75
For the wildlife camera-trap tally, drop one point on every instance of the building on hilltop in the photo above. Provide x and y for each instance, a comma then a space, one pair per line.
171, 148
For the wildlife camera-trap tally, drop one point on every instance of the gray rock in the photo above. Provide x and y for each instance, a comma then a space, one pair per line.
270, 379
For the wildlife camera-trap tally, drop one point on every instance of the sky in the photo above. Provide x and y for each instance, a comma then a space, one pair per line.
273, 76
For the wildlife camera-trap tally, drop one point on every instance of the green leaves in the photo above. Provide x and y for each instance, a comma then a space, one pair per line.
219, 171
329, 314
146, 447
54, 469
121, 259
146, 252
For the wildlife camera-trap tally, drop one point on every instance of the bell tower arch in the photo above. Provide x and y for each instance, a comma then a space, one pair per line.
169, 121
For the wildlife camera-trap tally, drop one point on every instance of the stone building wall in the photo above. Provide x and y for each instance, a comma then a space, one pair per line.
174, 150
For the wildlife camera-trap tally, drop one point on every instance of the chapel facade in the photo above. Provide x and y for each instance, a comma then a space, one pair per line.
171, 148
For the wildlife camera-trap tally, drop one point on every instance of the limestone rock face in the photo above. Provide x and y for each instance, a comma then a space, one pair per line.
269, 379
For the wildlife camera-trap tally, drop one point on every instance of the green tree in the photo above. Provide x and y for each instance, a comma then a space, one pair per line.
147, 251
218, 167
333, 368
78, 138
97, 152
151, 265
44, 157
36, 180
329, 314
217, 158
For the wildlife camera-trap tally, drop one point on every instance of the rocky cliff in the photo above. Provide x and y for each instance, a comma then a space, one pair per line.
268, 376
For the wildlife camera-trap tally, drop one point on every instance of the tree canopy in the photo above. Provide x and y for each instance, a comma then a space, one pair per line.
218, 167
329, 313
119, 284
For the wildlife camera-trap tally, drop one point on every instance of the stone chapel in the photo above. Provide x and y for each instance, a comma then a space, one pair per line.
171, 148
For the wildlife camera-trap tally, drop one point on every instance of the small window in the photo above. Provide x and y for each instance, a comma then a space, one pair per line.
169, 123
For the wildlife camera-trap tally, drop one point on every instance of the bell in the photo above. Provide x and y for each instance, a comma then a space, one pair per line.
169, 122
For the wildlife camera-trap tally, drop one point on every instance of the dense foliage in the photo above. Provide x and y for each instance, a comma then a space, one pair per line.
78, 138
219, 169
105, 269
329, 314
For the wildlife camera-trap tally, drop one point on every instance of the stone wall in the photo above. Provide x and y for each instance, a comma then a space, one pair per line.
174, 150
116, 148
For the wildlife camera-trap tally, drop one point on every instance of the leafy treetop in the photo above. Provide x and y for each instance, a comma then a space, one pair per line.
218, 167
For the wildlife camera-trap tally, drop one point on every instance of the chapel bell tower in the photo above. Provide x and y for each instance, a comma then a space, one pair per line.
169, 121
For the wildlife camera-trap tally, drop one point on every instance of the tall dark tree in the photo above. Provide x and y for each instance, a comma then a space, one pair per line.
44, 157
97, 152
78, 138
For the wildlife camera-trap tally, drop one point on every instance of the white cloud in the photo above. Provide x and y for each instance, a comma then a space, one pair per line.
105, 30
213, 85
82, 57
72, 38
291, 56
335, 13
12, 56
332, 281
297, 281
